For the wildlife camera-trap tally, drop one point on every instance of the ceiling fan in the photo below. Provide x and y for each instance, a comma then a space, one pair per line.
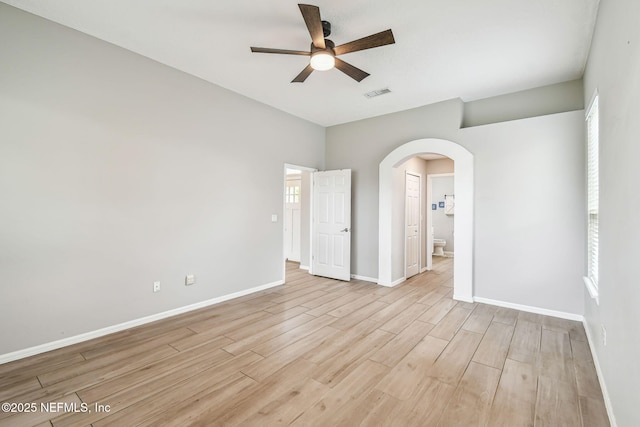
324, 52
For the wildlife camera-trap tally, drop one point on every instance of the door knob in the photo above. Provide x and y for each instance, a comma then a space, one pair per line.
346, 230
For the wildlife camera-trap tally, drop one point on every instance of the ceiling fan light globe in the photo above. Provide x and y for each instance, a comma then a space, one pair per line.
322, 61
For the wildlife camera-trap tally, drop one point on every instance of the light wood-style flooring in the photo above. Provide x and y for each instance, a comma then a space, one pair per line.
319, 352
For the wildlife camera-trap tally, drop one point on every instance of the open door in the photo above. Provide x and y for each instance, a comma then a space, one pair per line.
412, 224
331, 226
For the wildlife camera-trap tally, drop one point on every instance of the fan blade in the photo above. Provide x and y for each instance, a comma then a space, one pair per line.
374, 40
303, 75
311, 15
355, 73
284, 51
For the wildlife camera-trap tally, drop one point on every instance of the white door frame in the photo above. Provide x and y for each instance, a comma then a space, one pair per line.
419, 176
284, 207
429, 223
463, 219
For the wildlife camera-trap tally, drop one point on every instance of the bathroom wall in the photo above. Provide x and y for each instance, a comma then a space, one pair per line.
442, 223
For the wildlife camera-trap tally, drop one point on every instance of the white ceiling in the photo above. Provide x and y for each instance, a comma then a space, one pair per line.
444, 49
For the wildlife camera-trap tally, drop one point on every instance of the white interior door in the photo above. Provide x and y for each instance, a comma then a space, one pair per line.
412, 221
331, 232
292, 219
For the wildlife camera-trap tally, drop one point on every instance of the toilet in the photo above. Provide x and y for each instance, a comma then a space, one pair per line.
438, 247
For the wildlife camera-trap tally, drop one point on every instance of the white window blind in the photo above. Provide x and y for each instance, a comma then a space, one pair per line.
592, 191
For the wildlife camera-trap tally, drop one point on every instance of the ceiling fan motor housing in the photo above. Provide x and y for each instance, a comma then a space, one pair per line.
326, 28
329, 46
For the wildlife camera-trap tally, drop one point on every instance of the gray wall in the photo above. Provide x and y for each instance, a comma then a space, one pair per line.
518, 204
116, 171
556, 98
613, 69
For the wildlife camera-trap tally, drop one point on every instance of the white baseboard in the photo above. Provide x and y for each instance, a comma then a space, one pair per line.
603, 385
32, 351
423, 269
392, 284
530, 309
304, 267
364, 278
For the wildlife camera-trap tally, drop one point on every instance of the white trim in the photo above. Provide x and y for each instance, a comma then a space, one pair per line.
32, 351
603, 386
531, 309
423, 269
391, 284
593, 290
304, 267
463, 220
364, 278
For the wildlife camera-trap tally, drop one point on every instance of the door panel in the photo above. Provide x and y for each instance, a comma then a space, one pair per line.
292, 220
412, 215
331, 244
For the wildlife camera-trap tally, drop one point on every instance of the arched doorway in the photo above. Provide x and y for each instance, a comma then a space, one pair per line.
463, 169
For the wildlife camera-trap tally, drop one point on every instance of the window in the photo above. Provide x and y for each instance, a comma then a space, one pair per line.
592, 197
292, 193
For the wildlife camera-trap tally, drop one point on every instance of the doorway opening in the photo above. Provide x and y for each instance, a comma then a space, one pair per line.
296, 222
391, 270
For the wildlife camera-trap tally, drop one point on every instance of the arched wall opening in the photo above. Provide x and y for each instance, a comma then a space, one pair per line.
463, 219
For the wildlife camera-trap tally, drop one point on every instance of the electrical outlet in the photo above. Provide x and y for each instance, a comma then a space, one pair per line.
190, 279
156, 286
604, 335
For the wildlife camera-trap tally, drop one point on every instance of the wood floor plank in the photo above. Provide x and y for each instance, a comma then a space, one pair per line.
393, 351
437, 312
126, 390
525, 344
480, 319
471, 402
405, 378
397, 323
329, 408
316, 351
450, 323
556, 360
455, 358
278, 342
425, 408
594, 413
353, 305
332, 371
262, 369
585, 371
515, 399
359, 315
290, 379
252, 340
556, 403
494, 346
185, 389
111, 359
506, 315
283, 306
17, 389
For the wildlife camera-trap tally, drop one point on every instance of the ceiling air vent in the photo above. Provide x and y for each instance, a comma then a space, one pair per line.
378, 92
